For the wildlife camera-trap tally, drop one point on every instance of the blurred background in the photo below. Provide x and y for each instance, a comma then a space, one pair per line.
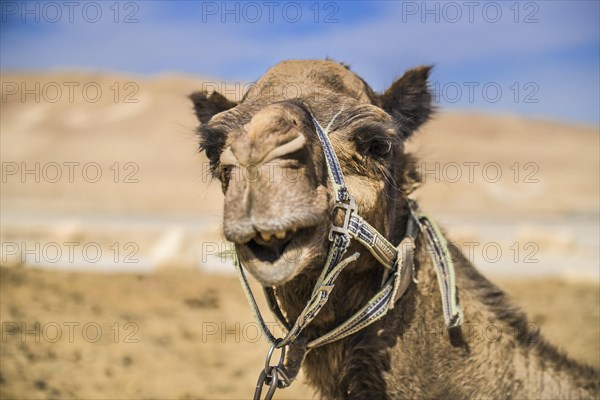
113, 280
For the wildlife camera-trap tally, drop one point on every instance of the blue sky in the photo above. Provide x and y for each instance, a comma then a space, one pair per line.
533, 58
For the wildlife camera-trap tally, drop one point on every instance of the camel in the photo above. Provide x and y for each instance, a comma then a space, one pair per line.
280, 220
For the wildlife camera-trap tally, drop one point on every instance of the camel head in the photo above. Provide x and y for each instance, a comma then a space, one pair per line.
267, 156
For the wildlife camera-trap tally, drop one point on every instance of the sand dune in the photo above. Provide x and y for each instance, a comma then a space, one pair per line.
547, 168
131, 152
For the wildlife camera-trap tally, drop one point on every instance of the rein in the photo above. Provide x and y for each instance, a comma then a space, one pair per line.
398, 262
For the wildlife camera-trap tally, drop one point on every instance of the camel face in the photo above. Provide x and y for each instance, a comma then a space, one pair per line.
265, 152
276, 200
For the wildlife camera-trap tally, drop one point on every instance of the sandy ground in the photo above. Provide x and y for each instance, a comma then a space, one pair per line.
188, 335
118, 174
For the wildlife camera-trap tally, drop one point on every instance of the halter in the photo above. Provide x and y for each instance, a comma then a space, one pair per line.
398, 262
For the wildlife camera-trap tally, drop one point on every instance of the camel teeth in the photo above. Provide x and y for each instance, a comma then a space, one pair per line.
280, 234
265, 236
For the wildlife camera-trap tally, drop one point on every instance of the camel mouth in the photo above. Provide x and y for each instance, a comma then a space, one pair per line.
268, 251
275, 261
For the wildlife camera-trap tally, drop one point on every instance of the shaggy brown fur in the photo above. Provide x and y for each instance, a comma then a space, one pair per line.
280, 229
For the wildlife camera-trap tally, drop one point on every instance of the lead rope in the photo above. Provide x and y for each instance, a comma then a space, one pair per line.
399, 264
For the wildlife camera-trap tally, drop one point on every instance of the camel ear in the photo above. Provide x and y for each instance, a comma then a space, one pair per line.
206, 106
408, 100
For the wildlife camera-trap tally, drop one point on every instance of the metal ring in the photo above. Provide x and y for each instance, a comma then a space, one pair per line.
270, 354
284, 380
271, 379
259, 385
274, 384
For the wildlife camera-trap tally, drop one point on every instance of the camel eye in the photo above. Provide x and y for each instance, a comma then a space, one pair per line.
380, 148
226, 172
212, 141
225, 176
373, 140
